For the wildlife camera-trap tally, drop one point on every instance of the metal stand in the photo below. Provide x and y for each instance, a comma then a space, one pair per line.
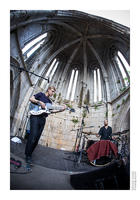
80, 137
82, 149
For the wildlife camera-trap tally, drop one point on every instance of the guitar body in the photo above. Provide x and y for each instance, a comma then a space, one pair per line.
37, 109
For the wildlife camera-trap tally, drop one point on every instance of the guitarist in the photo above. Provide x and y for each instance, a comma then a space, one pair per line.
37, 122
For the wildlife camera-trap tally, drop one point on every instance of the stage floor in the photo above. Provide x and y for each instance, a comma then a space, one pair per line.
58, 170
53, 158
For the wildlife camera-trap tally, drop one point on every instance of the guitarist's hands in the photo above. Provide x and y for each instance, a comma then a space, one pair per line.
42, 104
64, 108
33, 100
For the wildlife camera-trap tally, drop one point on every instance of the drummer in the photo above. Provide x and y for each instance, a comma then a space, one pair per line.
105, 132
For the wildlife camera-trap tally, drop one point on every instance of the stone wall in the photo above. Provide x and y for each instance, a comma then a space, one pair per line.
60, 131
121, 112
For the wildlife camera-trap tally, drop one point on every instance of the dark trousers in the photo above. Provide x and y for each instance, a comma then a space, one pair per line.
37, 124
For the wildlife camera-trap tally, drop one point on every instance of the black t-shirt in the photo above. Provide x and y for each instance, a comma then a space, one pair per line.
42, 97
106, 134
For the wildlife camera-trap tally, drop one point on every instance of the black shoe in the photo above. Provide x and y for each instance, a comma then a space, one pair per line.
28, 167
29, 160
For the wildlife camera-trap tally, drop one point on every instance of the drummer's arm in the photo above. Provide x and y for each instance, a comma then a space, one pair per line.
99, 133
111, 134
113, 137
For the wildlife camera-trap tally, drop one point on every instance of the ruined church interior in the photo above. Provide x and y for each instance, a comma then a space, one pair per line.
87, 59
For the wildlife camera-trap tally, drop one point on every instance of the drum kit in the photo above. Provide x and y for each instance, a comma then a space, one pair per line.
82, 143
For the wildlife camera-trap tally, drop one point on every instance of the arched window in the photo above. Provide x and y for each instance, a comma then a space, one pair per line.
32, 46
124, 67
124, 61
50, 73
72, 85
97, 85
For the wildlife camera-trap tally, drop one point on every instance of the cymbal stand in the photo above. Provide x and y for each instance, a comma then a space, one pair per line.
80, 136
82, 149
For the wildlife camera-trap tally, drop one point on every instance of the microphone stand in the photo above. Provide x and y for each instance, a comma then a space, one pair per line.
80, 135
78, 153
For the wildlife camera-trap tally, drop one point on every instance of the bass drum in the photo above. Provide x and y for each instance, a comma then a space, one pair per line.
104, 160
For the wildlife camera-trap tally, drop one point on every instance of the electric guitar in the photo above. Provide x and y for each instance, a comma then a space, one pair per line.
35, 109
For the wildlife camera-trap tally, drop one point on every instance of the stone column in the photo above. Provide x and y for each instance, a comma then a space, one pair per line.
85, 69
120, 77
109, 109
116, 90
66, 85
103, 89
78, 86
61, 67
90, 86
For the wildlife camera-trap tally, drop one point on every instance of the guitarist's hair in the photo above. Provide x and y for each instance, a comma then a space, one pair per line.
51, 87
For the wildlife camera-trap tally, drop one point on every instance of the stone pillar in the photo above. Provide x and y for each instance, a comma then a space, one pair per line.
90, 86
107, 89
67, 82
116, 90
103, 89
120, 77
61, 67
78, 86
109, 109
85, 69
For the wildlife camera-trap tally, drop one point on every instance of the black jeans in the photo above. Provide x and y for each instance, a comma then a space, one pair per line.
37, 124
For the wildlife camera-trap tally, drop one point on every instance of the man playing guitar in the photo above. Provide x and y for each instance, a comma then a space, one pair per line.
37, 122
